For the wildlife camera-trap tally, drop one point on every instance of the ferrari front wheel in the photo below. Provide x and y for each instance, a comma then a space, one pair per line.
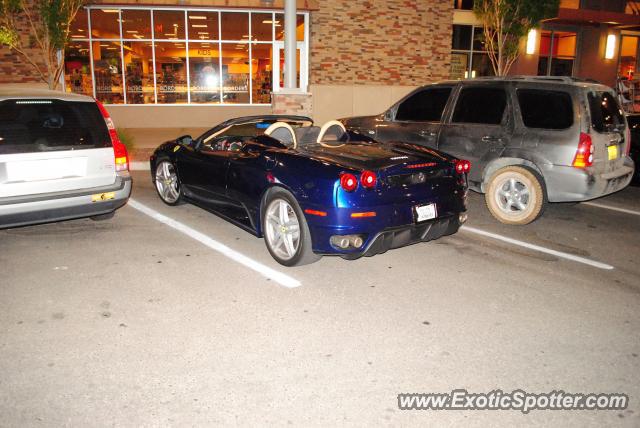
167, 183
285, 230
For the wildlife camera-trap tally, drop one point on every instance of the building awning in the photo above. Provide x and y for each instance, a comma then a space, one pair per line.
306, 5
595, 17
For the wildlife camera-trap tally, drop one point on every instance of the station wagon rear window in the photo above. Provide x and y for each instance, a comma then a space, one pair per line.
545, 109
29, 126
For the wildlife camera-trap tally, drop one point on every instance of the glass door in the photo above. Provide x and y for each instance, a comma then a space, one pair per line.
278, 66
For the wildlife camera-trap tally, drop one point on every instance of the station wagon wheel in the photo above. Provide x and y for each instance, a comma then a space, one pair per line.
515, 195
168, 183
285, 230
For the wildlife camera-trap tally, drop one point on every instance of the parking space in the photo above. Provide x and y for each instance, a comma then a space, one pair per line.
132, 321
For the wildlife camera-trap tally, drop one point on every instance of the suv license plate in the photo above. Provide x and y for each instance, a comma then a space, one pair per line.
425, 212
613, 152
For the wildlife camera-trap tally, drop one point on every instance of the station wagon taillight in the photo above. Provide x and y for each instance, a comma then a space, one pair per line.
584, 154
119, 150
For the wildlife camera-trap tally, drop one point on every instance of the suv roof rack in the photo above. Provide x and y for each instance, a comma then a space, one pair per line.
565, 79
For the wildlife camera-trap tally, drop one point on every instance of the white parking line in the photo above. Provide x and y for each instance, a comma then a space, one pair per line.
279, 277
609, 207
534, 247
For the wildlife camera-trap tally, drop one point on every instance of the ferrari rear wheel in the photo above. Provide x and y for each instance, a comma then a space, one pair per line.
167, 183
285, 230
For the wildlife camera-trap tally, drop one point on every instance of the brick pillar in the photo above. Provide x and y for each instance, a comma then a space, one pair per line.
296, 103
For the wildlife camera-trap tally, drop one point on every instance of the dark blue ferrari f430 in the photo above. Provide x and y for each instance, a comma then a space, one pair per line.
313, 191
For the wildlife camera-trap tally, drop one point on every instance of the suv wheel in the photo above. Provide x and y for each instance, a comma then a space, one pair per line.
515, 195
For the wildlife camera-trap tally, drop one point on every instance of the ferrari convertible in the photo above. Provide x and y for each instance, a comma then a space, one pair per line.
312, 191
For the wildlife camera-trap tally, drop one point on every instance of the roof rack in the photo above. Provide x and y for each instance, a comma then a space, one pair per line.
565, 79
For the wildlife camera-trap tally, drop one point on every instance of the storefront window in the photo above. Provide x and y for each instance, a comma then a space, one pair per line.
204, 72
557, 53
628, 57
77, 70
171, 72
104, 23
107, 66
168, 24
203, 25
279, 27
469, 56
235, 25
136, 24
262, 26
235, 73
261, 70
138, 64
168, 56
463, 4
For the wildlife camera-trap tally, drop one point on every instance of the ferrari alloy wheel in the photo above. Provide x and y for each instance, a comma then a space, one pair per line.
515, 195
285, 230
167, 183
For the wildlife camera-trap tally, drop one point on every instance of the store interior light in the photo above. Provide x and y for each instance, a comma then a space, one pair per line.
532, 38
197, 17
110, 10
610, 48
199, 25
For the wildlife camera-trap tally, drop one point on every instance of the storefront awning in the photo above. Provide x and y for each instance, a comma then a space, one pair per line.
595, 17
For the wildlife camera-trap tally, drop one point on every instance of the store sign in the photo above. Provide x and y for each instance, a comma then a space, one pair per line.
204, 52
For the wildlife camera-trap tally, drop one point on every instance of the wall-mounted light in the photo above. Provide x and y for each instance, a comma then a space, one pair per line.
610, 48
532, 38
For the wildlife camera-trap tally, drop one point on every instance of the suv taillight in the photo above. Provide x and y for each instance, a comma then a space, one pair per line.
584, 154
627, 140
120, 154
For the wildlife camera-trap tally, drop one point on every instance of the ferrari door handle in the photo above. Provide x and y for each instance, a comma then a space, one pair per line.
428, 133
490, 139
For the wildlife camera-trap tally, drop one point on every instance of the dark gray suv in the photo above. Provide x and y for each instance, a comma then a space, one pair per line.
530, 140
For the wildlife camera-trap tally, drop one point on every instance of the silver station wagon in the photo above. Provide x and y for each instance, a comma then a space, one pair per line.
530, 140
60, 158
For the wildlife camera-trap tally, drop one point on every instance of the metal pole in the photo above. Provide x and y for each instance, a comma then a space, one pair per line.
290, 44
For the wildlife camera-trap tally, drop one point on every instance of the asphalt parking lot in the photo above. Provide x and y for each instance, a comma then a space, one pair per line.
130, 322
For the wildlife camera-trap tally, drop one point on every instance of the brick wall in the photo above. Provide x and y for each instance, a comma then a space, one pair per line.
393, 42
14, 68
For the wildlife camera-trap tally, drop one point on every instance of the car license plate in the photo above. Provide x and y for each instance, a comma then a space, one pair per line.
99, 197
425, 212
613, 152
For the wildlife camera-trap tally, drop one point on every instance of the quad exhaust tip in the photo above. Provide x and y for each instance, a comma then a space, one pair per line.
347, 241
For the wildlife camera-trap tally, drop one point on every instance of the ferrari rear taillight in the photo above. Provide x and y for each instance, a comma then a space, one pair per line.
349, 182
463, 166
368, 179
584, 154
121, 157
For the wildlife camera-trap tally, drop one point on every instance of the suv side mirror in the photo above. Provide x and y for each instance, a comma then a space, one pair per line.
388, 115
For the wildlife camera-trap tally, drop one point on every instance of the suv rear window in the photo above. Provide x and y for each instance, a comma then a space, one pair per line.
545, 109
480, 105
605, 112
28, 126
